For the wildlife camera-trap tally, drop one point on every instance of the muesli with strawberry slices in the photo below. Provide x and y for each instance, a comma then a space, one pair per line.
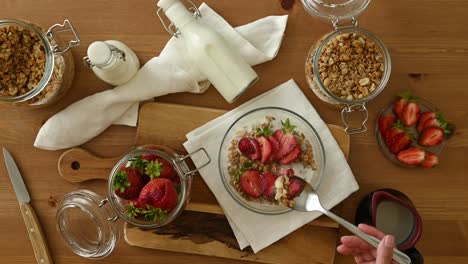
261, 160
150, 185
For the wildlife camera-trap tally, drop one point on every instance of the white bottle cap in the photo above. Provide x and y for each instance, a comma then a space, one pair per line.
99, 53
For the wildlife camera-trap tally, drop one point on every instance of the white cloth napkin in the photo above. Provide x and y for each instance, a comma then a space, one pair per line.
171, 72
257, 230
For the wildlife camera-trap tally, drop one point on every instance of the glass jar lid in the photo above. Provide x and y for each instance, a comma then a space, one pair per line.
335, 10
87, 225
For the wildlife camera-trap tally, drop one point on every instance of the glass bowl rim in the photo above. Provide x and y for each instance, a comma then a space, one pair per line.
228, 187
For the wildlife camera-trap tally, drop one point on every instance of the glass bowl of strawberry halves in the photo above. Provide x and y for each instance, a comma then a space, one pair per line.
147, 188
412, 132
266, 156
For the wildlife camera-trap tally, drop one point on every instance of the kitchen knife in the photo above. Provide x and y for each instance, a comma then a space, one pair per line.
30, 219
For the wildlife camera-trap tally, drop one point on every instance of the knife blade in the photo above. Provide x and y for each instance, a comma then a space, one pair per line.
41, 252
21, 192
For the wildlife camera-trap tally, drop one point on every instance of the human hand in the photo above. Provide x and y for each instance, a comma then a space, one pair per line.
364, 253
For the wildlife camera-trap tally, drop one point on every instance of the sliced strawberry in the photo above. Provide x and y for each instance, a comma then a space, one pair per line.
430, 161
410, 114
385, 123
401, 142
250, 148
412, 156
275, 146
431, 122
423, 118
159, 193
392, 135
249, 182
286, 141
288, 172
291, 157
431, 136
127, 183
267, 185
399, 105
296, 186
265, 149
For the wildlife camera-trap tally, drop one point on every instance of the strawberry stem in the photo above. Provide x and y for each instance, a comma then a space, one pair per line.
121, 181
153, 169
138, 163
408, 96
287, 127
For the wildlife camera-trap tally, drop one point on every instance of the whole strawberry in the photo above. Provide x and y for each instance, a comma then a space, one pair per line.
159, 193
127, 183
156, 166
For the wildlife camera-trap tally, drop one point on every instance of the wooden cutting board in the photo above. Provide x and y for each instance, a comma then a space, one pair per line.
202, 228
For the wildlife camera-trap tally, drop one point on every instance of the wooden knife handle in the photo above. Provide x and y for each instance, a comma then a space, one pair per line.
36, 235
78, 165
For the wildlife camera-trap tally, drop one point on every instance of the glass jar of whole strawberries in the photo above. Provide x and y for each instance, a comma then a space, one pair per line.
148, 188
349, 66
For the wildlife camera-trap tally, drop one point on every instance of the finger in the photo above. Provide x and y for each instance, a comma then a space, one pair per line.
355, 242
367, 257
370, 230
347, 251
358, 259
385, 250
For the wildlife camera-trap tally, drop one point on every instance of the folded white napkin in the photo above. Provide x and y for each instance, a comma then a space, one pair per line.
257, 230
171, 72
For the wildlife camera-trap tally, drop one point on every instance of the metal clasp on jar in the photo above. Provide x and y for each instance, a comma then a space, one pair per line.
361, 108
336, 22
189, 174
172, 29
58, 28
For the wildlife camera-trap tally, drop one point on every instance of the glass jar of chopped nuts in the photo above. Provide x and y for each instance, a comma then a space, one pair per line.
35, 69
349, 66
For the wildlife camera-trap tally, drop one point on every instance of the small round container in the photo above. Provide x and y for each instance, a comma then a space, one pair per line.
58, 71
249, 121
393, 213
342, 14
388, 111
88, 223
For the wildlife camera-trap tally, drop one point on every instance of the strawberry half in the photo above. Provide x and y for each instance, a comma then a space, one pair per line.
250, 148
267, 185
249, 182
288, 172
385, 123
431, 136
412, 156
159, 193
291, 157
391, 135
430, 161
423, 118
127, 183
265, 149
275, 146
401, 102
410, 114
401, 142
287, 143
296, 186
438, 121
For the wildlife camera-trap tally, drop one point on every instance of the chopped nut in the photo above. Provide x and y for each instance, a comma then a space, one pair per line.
364, 81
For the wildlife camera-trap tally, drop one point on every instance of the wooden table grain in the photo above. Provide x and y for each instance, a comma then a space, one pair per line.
428, 42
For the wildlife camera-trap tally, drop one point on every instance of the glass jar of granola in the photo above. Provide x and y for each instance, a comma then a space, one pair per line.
349, 66
35, 68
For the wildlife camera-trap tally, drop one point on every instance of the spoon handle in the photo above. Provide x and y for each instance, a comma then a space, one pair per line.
398, 256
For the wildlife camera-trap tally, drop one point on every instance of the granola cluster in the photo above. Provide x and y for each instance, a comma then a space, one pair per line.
22, 64
351, 66
22, 60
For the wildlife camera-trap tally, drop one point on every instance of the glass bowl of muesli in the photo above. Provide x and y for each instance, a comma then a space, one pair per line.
265, 157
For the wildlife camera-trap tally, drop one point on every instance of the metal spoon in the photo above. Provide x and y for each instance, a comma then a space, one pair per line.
309, 201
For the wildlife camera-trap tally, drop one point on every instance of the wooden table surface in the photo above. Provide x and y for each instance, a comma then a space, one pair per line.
428, 42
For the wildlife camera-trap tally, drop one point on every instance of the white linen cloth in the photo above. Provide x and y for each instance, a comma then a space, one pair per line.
171, 72
257, 230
